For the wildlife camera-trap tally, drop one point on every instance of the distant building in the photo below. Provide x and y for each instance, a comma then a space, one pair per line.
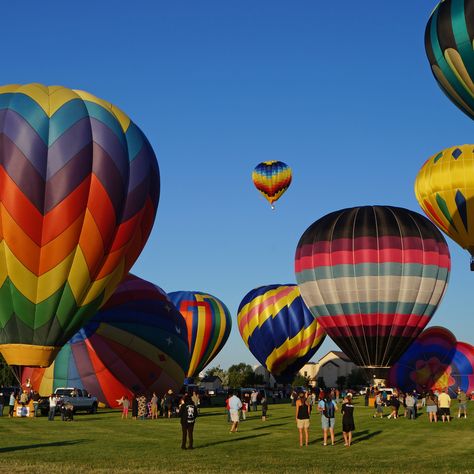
331, 366
211, 382
268, 378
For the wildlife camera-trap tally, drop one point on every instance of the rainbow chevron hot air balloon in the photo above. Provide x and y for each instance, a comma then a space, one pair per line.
279, 329
208, 321
79, 189
136, 343
435, 361
272, 179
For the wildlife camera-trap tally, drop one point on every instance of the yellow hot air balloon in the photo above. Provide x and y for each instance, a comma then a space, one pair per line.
444, 189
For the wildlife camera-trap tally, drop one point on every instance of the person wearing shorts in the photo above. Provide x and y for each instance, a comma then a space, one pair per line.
462, 399
432, 407
444, 403
235, 405
125, 406
327, 407
302, 417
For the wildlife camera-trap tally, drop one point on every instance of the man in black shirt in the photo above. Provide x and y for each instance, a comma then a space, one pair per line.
187, 414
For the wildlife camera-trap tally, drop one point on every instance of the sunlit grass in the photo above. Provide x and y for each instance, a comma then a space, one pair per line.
105, 443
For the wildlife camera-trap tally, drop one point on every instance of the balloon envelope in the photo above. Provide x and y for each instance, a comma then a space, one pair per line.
449, 37
444, 189
208, 321
79, 189
272, 179
137, 343
435, 361
372, 276
279, 329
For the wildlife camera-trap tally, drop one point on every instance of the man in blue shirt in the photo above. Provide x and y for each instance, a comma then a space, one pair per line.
234, 406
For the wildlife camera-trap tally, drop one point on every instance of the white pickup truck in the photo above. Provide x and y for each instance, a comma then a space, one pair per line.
80, 399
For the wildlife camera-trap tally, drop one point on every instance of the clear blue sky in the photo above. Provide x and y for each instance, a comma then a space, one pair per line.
341, 91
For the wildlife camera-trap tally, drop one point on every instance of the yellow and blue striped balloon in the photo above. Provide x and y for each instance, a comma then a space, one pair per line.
279, 329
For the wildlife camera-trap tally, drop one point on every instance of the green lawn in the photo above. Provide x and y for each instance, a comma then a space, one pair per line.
105, 443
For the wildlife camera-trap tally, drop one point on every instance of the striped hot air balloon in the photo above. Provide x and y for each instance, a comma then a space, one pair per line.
208, 321
373, 277
272, 179
137, 343
279, 329
79, 189
449, 38
444, 189
435, 361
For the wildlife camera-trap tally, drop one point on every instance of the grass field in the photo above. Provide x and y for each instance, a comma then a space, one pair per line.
105, 443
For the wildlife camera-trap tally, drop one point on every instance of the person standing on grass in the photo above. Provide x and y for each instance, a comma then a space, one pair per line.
11, 404
52, 407
253, 400
196, 400
444, 403
462, 399
187, 414
327, 407
394, 403
432, 407
134, 407
125, 407
154, 406
378, 405
348, 425
264, 403
302, 417
234, 406
410, 402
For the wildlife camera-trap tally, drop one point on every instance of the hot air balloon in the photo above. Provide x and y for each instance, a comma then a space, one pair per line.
435, 361
272, 179
208, 321
373, 277
79, 189
279, 329
449, 37
136, 343
444, 189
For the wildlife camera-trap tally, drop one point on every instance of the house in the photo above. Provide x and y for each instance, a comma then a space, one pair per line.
331, 366
268, 378
211, 383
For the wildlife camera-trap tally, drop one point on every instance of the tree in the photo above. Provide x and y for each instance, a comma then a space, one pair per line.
300, 381
218, 372
341, 382
7, 378
239, 374
356, 378
321, 383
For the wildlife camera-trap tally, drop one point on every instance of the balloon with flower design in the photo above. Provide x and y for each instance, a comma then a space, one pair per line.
435, 361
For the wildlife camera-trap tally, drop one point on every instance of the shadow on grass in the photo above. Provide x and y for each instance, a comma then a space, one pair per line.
42, 445
233, 438
268, 425
358, 437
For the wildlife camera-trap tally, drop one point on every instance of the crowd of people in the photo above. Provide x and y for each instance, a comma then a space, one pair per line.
437, 404
141, 407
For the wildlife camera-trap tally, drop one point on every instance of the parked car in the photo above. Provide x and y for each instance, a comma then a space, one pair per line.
80, 399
